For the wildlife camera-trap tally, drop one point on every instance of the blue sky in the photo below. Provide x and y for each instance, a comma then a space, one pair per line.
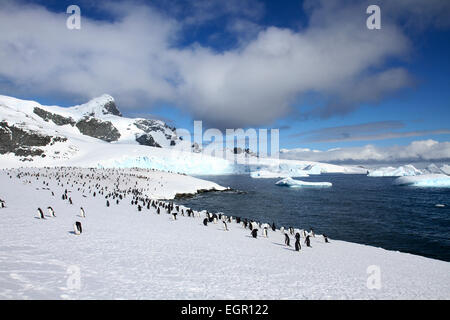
225, 33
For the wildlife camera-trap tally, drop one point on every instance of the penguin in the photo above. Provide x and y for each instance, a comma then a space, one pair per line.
291, 230
287, 240
82, 213
41, 214
174, 215
70, 200
225, 228
273, 226
254, 233
265, 232
308, 241
107, 203
325, 237
77, 228
158, 211
215, 220
205, 221
297, 245
282, 229
297, 236
312, 233
51, 211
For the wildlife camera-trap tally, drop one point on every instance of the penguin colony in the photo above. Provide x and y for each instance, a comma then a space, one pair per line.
131, 185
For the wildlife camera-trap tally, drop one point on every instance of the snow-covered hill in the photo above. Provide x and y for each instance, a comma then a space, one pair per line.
28, 128
124, 253
95, 134
406, 170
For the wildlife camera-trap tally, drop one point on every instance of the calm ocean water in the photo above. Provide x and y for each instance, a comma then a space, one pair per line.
356, 208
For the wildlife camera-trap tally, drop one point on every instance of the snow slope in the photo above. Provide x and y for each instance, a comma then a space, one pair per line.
126, 254
445, 169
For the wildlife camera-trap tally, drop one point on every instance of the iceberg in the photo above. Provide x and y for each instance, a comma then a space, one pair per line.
289, 182
407, 170
425, 180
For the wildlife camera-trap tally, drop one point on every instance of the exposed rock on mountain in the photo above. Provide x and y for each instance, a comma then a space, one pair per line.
103, 130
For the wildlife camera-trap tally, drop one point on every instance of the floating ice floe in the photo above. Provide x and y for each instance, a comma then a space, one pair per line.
289, 182
425, 180
276, 174
407, 170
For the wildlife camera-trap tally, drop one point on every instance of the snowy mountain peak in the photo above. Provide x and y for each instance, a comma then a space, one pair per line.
98, 107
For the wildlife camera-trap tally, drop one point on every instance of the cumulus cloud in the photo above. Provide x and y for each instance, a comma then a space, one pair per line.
416, 151
137, 58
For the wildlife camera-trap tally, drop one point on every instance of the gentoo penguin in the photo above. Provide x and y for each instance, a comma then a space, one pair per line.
225, 226
254, 233
308, 241
205, 221
287, 240
51, 211
77, 228
265, 232
82, 213
297, 245
41, 214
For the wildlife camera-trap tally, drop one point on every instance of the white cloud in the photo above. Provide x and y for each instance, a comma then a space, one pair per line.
136, 59
416, 151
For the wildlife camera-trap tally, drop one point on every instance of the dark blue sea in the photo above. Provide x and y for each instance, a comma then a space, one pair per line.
356, 208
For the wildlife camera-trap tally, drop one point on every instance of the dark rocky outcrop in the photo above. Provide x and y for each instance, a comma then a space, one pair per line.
149, 125
56, 118
95, 128
22, 142
111, 108
147, 140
